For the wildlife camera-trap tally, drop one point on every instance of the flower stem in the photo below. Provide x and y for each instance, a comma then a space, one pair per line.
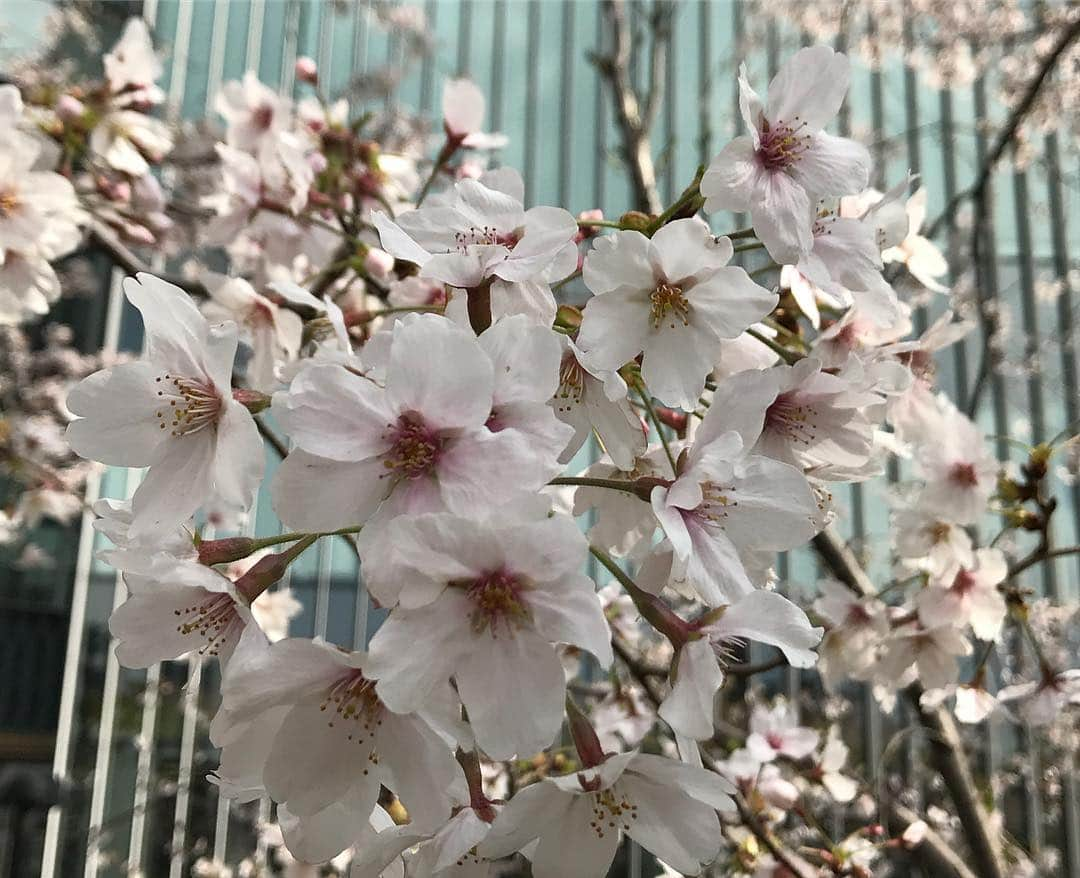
640, 488
652, 608
788, 357
646, 400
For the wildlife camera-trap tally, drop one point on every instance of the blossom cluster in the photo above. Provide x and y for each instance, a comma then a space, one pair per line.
409, 340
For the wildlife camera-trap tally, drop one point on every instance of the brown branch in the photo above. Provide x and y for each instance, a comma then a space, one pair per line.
123, 256
934, 854
633, 120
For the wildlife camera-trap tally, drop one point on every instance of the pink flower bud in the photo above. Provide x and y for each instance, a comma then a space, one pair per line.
378, 262
69, 108
317, 162
469, 170
307, 70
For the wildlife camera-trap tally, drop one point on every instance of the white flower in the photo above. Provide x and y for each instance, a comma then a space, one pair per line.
968, 595
252, 111
727, 505
1042, 701
28, 286
764, 616
39, 210
788, 162
959, 470
622, 520
667, 807
928, 542
173, 412
274, 333
309, 713
129, 141
479, 232
919, 255
591, 399
484, 601
419, 440
132, 67
805, 417
751, 775
931, 651
777, 732
672, 298
833, 758
463, 109
857, 627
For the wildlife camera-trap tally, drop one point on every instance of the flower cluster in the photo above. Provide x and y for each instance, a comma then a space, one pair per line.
408, 339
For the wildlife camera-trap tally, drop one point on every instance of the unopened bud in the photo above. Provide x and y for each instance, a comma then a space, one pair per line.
307, 70
585, 740
568, 317
252, 400
69, 108
635, 220
225, 551
378, 262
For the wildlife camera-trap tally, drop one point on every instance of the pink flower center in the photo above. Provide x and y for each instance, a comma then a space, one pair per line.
354, 704
193, 405
669, 305
963, 474
782, 144
262, 117
789, 418
214, 620
496, 599
775, 740
415, 447
964, 582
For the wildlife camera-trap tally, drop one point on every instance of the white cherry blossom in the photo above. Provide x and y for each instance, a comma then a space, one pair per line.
776, 732
672, 298
787, 163
968, 594
173, 412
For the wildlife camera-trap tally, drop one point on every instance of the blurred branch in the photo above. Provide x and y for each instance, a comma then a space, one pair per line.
635, 112
122, 255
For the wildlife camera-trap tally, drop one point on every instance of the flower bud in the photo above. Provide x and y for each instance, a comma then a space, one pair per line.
225, 551
69, 108
306, 70
378, 262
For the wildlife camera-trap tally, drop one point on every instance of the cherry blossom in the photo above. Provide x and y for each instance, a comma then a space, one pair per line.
776, 732
173, 412
968, 594
482, 601
672, 298
579, 818
787, 163
463, 108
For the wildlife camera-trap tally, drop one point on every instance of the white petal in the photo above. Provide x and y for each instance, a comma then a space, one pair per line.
312, 493
810, 88
573, 849
768, 617
618, 260
688, 709
670, 825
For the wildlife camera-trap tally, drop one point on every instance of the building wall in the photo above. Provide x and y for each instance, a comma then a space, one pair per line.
131, 746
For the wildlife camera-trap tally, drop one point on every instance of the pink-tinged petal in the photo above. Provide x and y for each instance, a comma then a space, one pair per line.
240, 458
176, 333
416, 650
146, 625
513, 687
527, 815
714, 569
739, 403
464, 269
731, 178
336, 414
397, 242
676, 360
704, 786
673, 523
313, 493
728, 302
530, 299
525, 359
316, 761
118, 424
768, 617
782, 216
688, 709
750, 104
619, 260
438, 370
546, 231
687, 247
176, 485
463, 106
506, 180
776, 507
684, 843
481, 469
987, 613
326, 833
421, 768
615, 327
832, 166
291, 670
571, 613
572, 848
809, 88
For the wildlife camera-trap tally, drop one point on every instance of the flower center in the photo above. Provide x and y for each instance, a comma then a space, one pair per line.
788, 417
215, 619
571, 384
415, 447
782, 144
496, 599
9, 203
262, 116
669, 298
487, 235
775, 740
964, 582
193, 405
353, 703
612, 810
716, 503
963, 474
